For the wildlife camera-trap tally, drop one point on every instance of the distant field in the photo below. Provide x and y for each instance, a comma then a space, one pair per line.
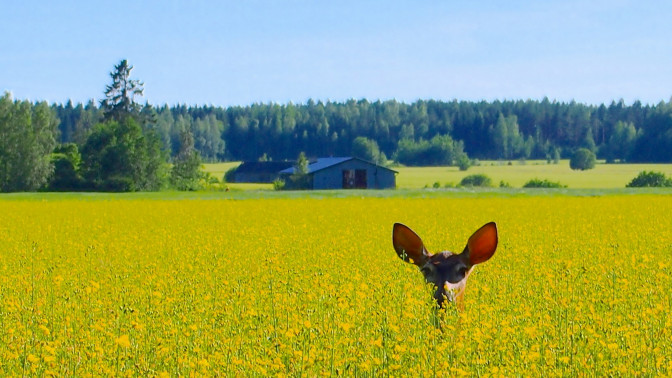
516, 174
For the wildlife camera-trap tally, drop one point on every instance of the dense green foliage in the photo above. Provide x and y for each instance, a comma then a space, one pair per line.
527, 129
186, 172
67, 160
118, 156
440, 150
538, 183
478, 179
367, 149
582, 159
27, 138
299, 180
650, 179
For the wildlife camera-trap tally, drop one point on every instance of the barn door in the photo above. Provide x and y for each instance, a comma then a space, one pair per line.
360, 179
348, 179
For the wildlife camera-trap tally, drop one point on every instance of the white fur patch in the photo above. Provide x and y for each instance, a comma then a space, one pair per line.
452, 290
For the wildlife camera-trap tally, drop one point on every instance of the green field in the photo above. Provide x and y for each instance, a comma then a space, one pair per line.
603, 176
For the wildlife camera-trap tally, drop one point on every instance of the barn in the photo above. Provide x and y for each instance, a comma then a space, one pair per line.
259, 171
346, 173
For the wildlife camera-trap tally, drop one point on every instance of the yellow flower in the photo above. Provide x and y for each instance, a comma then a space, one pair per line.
32, 358
123, 341
44, 329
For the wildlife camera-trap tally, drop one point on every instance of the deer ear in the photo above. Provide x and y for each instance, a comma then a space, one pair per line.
482, 244
408, 245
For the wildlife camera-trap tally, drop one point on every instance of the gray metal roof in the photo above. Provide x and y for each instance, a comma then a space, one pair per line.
322, 163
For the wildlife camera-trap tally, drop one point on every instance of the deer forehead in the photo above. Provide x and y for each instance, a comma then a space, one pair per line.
444, 258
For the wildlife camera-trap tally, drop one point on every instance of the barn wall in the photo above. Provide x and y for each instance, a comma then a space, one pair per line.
332, 177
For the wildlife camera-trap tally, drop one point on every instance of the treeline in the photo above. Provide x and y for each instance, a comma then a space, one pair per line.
120, 145
113, 148
407, 133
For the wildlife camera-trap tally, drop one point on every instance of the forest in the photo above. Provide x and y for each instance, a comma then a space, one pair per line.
497, 130
121, 145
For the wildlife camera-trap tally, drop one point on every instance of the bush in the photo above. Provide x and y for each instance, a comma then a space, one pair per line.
463, 162
582, 159
650, 179
118, 184
476, 180
278, 184
537, 183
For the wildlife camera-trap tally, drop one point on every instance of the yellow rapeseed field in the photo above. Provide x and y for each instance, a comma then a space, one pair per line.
578, 286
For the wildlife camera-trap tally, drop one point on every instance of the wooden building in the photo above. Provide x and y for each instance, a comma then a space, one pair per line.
346, 173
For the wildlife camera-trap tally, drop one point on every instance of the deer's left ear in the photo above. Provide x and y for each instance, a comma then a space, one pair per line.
482, 244
408, 245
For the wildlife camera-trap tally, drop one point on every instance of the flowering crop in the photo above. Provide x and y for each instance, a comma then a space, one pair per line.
578, 286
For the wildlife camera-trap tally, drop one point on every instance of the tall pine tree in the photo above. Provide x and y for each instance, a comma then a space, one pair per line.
119, 101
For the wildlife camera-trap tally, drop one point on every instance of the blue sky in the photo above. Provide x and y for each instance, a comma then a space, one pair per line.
227, 53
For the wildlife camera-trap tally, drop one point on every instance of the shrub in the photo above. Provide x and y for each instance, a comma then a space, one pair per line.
118, 184
463, 162
650, 179
476, 180
537, 183
278, 184
582, 159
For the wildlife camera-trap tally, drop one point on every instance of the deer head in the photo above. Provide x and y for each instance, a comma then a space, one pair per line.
447, 271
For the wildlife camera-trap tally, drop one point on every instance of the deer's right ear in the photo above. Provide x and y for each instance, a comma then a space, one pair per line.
482, 244
408, 245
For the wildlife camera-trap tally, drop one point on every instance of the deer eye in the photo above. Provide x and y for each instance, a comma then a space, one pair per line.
426, 270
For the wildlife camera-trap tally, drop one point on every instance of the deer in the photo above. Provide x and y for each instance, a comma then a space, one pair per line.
447, 271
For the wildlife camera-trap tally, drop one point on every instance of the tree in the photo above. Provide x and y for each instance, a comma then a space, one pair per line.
27, 138
650, 179
582, 159
119, 101
367, 149
66, 159
621, 142
117, 156
300, 178
440, 150
186, 172
208, 137
478, 179
301, 167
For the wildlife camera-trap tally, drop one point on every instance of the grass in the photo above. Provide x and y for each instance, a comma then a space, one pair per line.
517, 174
603, 176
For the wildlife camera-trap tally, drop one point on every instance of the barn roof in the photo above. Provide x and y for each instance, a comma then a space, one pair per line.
263, 166
322, 163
